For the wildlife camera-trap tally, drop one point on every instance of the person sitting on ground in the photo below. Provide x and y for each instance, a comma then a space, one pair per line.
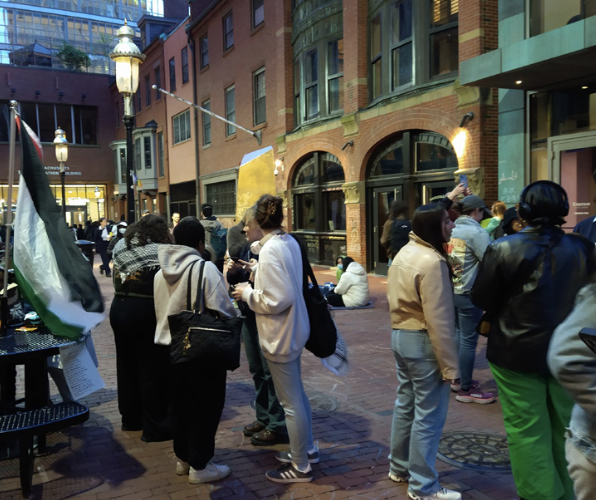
339, 264
198, 394
352, 288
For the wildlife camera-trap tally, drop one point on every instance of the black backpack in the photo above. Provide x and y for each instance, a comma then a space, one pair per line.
399, 234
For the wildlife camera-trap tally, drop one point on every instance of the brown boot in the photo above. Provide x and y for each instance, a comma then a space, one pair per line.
269, 438
253, 428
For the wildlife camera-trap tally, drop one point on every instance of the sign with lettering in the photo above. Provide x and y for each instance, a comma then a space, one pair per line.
51, 171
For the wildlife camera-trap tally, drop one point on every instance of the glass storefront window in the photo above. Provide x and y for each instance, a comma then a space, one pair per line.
335, 210
390, 163
306, 175
305, 211
547, 15
332, 169
434, 157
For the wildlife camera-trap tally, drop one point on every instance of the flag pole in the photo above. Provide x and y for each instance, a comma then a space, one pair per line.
258, 135
4, 313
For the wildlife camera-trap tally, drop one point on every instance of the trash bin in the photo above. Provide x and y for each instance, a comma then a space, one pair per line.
87, 249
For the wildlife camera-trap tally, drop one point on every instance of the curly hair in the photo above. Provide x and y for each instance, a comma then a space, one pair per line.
269, 212
148, 229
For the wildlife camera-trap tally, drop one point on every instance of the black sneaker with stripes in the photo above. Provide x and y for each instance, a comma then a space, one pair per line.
289, 474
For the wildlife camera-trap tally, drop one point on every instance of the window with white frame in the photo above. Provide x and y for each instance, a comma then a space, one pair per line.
260, 112
148, 90
138, 153
230, 110
157, 83
147, 148
181, 127
160, 153
204, 48
206, 124
172, 66
228, 32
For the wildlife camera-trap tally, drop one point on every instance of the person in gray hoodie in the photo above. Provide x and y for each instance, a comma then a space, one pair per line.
573, 364
466, 248
198, 394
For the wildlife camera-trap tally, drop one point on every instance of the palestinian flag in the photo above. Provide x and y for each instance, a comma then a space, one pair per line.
52, 273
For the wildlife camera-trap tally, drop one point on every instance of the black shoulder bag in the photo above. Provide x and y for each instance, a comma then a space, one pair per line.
484, 326
323, 332
204, 338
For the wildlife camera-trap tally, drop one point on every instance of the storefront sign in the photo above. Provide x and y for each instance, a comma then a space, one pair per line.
51, 171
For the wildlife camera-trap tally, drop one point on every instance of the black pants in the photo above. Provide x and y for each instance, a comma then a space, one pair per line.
335, 300
198, 400
142, 368
102, 250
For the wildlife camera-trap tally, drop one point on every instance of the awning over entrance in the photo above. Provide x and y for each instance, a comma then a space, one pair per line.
561, 57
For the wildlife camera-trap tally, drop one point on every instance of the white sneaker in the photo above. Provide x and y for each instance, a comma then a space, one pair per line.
182, 468
442, 494
213, 472
398, 479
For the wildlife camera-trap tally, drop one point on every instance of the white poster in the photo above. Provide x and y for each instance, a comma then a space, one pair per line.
80, 371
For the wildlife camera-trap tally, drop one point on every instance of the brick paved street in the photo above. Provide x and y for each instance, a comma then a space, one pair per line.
99, 461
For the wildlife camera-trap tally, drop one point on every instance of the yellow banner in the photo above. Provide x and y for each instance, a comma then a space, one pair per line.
255, 178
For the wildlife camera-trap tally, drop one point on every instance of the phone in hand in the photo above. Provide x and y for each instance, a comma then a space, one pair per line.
463, 179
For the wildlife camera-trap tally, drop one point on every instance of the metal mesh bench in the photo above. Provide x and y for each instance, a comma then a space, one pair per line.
24, 425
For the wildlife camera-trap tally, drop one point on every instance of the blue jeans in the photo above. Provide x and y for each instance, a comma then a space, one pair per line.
287, 378
269, 411
420, 411
467, 317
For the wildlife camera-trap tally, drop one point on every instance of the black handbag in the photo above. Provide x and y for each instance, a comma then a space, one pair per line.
203, 337
323, 332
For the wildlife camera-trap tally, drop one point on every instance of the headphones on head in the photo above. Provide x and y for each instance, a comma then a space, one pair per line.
543, 199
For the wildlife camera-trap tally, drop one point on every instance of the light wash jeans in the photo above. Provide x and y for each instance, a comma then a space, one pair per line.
582, 471
467, 317
287, 378
420, 411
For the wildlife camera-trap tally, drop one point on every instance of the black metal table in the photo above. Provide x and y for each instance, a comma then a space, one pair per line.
32, 350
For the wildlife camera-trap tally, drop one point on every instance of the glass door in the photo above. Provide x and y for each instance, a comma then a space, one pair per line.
382, 199
432, 192
572, 165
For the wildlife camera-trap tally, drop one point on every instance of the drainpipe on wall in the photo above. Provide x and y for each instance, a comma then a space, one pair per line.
191, 45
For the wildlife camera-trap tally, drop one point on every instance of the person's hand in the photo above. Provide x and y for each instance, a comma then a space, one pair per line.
248, 265
238, 290
459, 190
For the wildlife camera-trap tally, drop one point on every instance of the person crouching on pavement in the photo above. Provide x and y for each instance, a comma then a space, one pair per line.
282, 320
198, 394
270, 426
420, 296
529, 282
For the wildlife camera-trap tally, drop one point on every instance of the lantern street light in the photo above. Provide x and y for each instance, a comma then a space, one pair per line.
127, 57
62, 156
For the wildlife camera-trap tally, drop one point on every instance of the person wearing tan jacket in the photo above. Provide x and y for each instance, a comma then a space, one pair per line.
420, 296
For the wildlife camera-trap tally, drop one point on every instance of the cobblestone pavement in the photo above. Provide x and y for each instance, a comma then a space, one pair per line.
99, 461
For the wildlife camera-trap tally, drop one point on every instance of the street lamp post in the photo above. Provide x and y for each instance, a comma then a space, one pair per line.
62, 156
127, 57
97, 195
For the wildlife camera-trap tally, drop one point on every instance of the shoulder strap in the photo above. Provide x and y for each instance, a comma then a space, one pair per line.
199, 300
189, 286
307, 271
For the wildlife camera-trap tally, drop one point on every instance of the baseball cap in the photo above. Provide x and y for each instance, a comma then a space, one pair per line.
472, 201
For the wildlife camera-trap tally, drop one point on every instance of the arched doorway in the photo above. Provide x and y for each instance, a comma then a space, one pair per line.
413, 166
318, 207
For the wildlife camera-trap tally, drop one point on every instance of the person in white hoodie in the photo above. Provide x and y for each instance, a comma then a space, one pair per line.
198, 394
282, 321
352, 288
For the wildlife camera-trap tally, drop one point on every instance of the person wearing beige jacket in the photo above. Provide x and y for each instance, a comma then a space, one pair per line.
420, 296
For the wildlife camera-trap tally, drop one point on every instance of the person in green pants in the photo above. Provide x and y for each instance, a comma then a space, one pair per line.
528, 282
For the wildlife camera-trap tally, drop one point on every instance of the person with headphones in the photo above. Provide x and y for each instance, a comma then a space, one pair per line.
528, 281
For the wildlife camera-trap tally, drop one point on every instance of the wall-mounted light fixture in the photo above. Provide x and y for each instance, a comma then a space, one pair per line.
13, 91
60, 95
349, 143
465, 119
83, 96
37, 92
279, 163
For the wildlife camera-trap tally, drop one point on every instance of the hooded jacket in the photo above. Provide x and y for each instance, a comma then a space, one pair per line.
469, 240
277, 300
170, 287
420, 296
353, 286
527, 313
573, 364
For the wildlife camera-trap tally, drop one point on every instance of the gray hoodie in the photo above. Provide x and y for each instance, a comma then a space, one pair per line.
469, 240
573, 364
170, 287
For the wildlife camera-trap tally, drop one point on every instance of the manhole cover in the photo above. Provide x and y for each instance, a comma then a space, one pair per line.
320, 403
474, 450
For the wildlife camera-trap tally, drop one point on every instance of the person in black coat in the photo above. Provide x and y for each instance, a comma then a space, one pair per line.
102, 241
587, 228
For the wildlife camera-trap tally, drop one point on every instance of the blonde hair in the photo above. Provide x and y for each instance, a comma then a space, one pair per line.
498, 209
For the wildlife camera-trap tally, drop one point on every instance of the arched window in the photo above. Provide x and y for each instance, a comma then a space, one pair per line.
319, 210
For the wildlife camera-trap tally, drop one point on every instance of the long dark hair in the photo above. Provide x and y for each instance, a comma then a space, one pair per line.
399, 208
148, 229
427, 223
